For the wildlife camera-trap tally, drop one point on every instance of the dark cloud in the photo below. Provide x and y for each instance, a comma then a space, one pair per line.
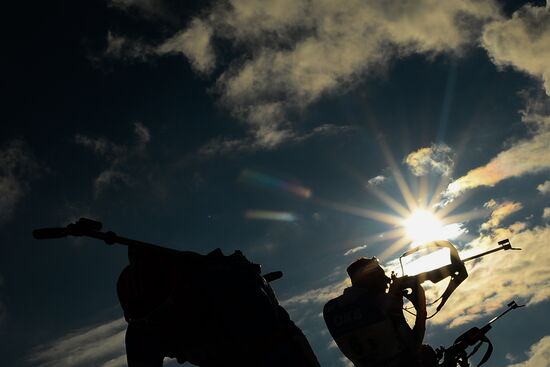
121, 158
522, 42
526, 156
18, 167
222, 145
275, 71
538, 355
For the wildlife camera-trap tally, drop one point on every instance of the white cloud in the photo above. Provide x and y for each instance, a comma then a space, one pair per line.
346, 362
522, 41
120, 47
119, 361
354, 250
142, 134
119, 157
194, 43
436, 158
378, 180
101, 345
17, 168
527, 156
539, 354
289, 53
493, 279
499, 212
546, 213
266, 139
510, 357
221, 146
101, 146
319, 295
110, 177
544, 188
325, 130
340, 44
11, 191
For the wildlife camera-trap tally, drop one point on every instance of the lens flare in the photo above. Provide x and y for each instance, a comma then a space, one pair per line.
261, 179
269, 215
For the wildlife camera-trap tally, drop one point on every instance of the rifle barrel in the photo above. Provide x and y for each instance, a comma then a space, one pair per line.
483, 254
511, 306
504, 245
91, 228
112, 238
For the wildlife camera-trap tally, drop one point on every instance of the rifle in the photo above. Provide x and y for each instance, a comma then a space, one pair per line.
456, 354
91, 228
456, 269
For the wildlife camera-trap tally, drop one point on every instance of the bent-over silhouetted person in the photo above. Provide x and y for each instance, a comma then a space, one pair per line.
367, 321
211, 310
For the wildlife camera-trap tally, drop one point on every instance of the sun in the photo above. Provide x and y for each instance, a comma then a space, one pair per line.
421, 216
423, 226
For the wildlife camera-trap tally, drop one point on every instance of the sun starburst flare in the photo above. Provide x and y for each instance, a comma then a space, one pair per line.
424, 226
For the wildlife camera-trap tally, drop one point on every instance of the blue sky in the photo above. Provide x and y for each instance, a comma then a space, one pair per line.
304, 133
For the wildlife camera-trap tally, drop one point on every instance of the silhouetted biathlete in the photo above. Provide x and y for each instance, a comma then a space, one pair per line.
210, 310
367, 321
